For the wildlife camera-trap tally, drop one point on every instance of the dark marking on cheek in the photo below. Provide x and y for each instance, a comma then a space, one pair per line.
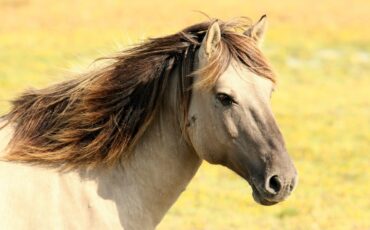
191, 121
258, 119
272, 144
254, 115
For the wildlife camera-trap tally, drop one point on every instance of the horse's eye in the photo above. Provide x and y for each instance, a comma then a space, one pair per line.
225, 99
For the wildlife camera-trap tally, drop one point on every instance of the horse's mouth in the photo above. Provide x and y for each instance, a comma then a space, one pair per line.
258, 196
261, 199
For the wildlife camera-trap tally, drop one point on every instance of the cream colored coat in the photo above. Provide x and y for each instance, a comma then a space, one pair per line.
134, 195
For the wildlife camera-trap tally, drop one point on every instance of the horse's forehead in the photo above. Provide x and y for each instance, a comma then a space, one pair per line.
239, 78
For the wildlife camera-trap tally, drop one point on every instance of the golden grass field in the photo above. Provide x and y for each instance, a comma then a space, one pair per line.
321, 51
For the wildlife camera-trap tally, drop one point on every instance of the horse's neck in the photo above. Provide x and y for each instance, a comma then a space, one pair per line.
160, 168
141, 188
144, 186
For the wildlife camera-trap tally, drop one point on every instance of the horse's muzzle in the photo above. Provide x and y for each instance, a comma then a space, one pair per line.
274, 190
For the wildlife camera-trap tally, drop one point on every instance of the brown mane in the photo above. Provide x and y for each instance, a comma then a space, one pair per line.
96, 118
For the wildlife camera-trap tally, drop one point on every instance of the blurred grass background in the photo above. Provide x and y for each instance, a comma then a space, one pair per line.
320, 49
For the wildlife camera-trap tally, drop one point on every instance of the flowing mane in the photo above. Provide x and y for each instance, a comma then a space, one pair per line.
96, 118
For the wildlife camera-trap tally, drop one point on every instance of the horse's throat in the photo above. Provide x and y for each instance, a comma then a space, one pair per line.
160, 169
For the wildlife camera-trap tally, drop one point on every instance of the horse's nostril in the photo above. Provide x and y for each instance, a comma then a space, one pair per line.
273, 185
292, 185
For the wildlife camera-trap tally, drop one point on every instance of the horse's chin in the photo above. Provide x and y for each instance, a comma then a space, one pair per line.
261, 200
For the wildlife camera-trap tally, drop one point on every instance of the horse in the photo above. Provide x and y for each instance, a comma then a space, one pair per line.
113, 148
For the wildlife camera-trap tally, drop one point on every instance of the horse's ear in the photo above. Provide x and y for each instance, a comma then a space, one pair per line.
257, 30
211, 40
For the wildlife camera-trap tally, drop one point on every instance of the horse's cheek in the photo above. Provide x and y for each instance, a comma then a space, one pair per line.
231, 128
